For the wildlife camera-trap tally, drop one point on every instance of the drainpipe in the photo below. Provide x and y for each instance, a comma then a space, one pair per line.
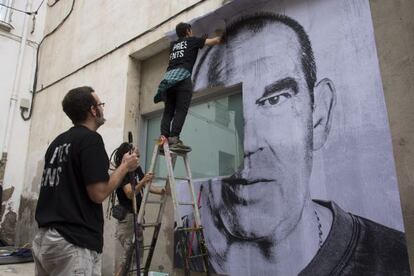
14, 95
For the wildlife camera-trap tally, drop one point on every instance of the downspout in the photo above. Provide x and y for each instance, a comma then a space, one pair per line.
14, 96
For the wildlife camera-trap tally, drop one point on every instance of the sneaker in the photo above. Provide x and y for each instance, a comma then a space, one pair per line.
172, 140
178, 146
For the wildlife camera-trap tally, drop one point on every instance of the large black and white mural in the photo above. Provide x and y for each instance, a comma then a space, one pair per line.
317, 193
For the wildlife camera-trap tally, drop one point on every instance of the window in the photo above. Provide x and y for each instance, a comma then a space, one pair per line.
5, 12
214, 130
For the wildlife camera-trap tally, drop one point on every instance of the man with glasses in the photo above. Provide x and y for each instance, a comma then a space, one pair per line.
75, 182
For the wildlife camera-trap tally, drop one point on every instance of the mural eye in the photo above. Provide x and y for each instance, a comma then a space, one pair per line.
274, 100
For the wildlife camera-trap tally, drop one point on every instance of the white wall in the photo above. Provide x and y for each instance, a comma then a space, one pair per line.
93, 30
19, 130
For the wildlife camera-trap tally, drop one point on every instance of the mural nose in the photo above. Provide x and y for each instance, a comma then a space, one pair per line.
251, 139
251, 142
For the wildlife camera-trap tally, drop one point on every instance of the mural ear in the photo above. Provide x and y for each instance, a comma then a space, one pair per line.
324, 101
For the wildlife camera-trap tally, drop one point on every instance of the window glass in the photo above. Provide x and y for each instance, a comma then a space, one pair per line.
214, 130
4, 12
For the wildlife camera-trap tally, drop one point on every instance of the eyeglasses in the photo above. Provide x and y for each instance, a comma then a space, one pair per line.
102, 104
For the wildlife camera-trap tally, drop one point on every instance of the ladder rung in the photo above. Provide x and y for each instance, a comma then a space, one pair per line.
183, 178
197, 256
178, 153
134, 270
173, 153
154, 201
190, 229
146, 247
166, 178
151, 224
185, 203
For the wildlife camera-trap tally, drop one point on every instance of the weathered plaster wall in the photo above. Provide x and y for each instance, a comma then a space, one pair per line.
49, 120
96, 27
12, 173
152, 71
92, 30
394, 29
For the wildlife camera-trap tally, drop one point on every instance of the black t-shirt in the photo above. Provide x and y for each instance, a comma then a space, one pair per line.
183, 52
122, 198
76, 158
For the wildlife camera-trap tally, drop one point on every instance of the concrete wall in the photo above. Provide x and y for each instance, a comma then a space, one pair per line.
16, 142
152, 72
394, 28
86, 41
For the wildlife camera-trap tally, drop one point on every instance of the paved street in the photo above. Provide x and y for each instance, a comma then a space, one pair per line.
26, 269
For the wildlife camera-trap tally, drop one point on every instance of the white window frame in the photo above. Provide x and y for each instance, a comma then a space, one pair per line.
6, 18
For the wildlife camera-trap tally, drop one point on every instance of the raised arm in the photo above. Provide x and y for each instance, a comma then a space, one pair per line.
140, 185
215, 40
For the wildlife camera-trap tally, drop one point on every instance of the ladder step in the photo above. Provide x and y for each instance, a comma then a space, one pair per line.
146, 247
198, 256
151, 224
193, 229
183, 178
186, 203
166, 178
174, 153
135, 270
154, 201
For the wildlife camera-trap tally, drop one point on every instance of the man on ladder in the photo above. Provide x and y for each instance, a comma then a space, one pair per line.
176, 88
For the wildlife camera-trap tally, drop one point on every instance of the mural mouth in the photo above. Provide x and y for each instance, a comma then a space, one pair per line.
233, 190
243, 181
254, 181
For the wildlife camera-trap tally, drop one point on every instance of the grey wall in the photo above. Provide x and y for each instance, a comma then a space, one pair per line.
394, 29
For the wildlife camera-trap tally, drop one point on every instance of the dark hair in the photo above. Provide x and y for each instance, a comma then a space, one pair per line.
181, 29
77, 102
116, 155
119, 153
255, 23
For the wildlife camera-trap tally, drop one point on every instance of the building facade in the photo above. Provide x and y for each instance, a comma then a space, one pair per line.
120, 48
20, 35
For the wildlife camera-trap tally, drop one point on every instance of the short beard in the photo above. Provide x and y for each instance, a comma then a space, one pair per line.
100, 120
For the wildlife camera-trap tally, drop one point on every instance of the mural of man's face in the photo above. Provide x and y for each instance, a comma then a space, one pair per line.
278, 132
266, 199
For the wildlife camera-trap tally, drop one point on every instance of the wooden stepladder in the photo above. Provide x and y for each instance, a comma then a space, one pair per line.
161, 148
